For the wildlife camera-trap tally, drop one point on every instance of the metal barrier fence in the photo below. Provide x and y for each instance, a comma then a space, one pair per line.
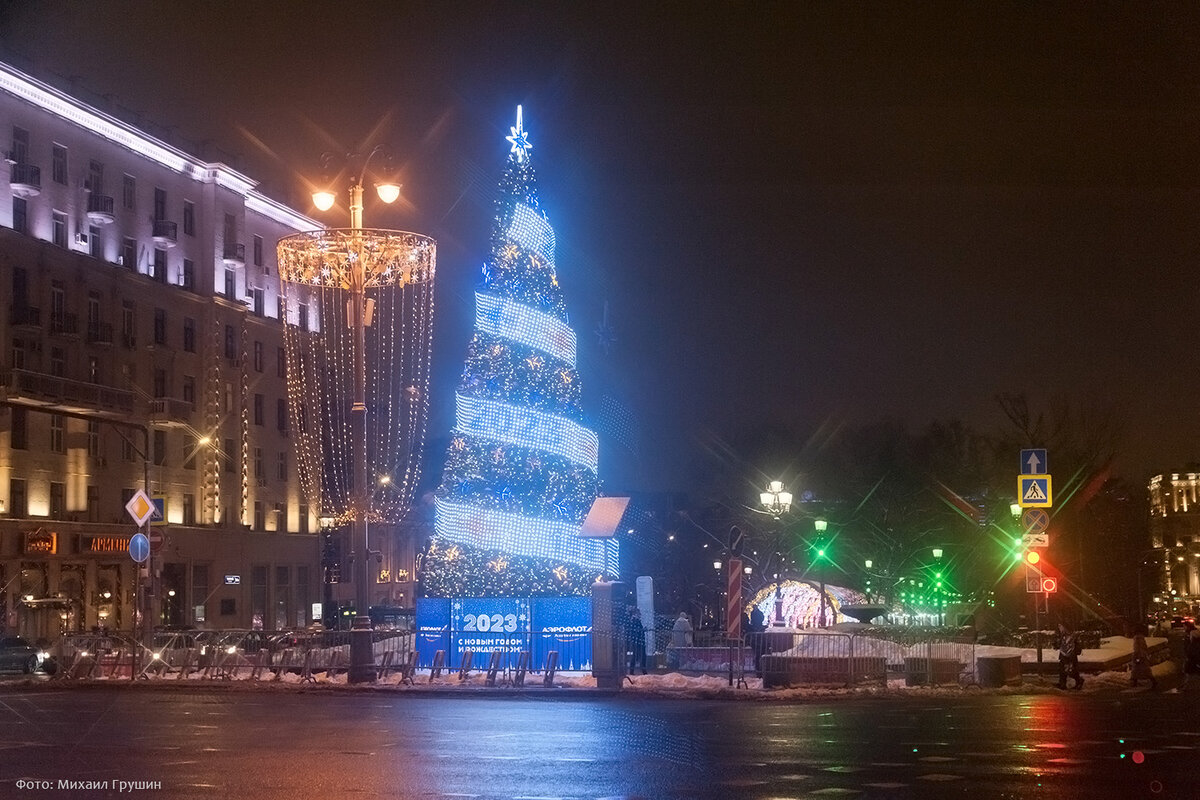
223, 655
791, 658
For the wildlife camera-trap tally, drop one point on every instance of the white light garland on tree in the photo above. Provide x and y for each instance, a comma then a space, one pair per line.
521, 469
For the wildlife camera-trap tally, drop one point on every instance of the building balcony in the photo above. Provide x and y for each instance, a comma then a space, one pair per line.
166, 232
52, 393
26, 180
22, 316
64, 324
100, 209
100, 333
166, 412
235, 254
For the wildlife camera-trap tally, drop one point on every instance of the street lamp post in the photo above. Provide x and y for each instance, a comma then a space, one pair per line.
821, 526
346, 264
777, 501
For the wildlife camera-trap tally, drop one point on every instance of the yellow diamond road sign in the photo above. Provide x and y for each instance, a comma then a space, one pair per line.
140, 507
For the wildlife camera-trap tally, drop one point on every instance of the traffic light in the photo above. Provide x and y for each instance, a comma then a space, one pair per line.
1032, 557
1049, 585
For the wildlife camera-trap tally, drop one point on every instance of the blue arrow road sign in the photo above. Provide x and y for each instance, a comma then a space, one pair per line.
139, 547
1034, 462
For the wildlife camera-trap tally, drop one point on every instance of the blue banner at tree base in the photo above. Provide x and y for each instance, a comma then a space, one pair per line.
511, 625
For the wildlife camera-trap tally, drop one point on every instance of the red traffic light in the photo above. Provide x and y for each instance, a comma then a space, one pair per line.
1049, 585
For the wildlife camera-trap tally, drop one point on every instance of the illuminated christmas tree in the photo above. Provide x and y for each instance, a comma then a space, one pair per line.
520, 470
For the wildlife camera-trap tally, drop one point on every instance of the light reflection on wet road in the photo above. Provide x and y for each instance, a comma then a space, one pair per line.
288, 744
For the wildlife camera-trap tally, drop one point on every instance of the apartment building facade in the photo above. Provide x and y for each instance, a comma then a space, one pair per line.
1175, 535
141, 347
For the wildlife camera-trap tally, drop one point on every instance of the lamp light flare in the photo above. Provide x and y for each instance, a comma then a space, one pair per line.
323, 199
388, 192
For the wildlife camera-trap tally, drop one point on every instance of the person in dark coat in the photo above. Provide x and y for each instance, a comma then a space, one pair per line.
635, 639
1068, 656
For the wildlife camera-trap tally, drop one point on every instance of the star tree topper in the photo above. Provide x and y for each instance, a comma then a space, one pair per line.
519, 139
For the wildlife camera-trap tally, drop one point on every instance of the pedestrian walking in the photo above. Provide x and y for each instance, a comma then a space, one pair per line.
1140, 668
681, 633
1068, 656
635, 637
1191, 653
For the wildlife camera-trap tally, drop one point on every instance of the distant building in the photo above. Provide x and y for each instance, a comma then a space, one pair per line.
1175, 532
141, 342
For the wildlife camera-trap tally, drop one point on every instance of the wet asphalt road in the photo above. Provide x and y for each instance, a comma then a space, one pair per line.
200, 743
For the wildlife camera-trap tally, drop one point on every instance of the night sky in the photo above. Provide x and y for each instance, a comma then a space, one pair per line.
800, 214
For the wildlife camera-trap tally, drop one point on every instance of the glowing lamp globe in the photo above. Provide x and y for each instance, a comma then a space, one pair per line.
388, 192
323, 200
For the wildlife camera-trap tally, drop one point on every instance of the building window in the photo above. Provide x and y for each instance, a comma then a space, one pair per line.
93, 438
281, 415
160, 382
58, 500
280, 362
189, 335
59, 229
58, 306
189, 218
230, 284
304, 316
259, 471
93, 369
58, 429
20, 215
18, 420
129, 253
258, 251
258, 356
258, 596
18, 353
128, 192
95, 242
259, 301
280, 309
20, 145
95, 181
189, 513
160, 203
281, 466
303, 517
18, 502
127, 450
128, 325
230, 342
58, 362
260, 522
280, 512
227, 447
58, 164
93, 504
160, 448
258, 409
189, 390
189, 274
160, 265
160, 326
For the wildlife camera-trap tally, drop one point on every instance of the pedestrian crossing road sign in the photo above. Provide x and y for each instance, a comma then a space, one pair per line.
1033, 491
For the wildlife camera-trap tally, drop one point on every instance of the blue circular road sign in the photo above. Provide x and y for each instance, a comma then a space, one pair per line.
139, 547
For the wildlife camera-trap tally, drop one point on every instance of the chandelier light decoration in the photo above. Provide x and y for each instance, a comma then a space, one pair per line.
521, 468
317, 271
